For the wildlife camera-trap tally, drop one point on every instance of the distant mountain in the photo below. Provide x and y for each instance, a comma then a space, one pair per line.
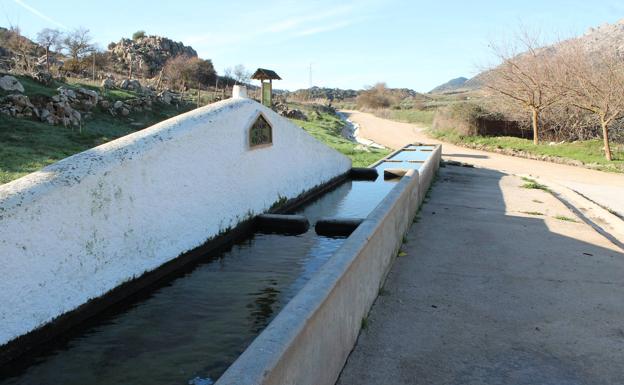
451, 85
342, 94
322, 93
605, 37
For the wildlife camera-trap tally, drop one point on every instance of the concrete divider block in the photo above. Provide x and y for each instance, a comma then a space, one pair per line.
337, 226
363, 173
282, 224
392, 173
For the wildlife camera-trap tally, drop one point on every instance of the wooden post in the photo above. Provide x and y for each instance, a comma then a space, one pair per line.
94, 66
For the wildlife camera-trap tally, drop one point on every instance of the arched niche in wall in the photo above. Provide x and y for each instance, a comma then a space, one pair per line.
260, 132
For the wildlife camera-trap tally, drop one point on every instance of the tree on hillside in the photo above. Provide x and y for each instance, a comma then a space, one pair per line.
22, 48
241, 74
377, 96
174, 71
526, 79
77, 43
202, 71
227, 72
138, 35
49, 38
594, 82
182, 71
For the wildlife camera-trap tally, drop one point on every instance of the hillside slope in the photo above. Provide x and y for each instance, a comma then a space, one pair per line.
451, 85
605, 37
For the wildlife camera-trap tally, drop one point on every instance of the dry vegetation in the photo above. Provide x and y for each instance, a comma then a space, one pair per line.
566, 86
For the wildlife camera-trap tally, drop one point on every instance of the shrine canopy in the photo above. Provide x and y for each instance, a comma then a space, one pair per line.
264, 74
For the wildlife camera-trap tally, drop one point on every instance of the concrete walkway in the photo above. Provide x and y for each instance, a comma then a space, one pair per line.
492, 292
607, 189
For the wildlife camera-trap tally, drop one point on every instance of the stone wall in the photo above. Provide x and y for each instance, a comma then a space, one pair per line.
77, 229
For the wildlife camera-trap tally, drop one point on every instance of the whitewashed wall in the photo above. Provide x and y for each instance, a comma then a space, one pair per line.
88, 223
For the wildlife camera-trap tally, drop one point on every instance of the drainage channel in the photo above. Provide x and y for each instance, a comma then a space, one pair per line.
190, 328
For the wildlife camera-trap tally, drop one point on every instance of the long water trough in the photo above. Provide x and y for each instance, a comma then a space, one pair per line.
189, 327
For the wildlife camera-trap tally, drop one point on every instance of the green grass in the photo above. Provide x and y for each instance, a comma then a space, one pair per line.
412, 116
564, 218
532, 212
533, 184
327, 128
588, 152
27, 146
415, 116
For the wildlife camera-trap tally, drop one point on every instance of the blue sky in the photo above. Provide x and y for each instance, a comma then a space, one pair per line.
349, 44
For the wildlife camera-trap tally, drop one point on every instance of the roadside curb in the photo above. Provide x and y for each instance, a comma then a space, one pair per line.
604, 222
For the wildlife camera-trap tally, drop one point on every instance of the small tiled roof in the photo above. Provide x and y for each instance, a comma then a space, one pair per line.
264, 74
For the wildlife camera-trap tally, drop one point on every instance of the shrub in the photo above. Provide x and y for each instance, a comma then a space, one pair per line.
376, 97
138, 35
458, 117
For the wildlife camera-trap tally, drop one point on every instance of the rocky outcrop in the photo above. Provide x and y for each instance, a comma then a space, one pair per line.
42, 77
130, 84
17, 106
10, 83
605, 37
147, 54
108, 83
71, 106
169, 97
283, 110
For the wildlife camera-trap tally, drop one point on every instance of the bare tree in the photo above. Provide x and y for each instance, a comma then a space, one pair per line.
525, 79
182, 70
377, 96
594, 82
22, 48
78, 43
241, 74
49, 38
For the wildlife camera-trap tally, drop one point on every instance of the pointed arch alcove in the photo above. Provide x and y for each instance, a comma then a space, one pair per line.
260, 133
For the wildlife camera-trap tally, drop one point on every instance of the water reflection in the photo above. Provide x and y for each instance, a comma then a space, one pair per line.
261, 309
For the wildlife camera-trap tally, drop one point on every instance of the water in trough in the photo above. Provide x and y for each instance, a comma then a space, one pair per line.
191, 327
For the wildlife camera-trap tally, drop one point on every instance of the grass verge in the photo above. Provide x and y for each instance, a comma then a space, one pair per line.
415, 116
327, 128
587, 153
27, 145
533, 184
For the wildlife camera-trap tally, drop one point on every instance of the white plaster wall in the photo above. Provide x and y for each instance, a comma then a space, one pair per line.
88, 223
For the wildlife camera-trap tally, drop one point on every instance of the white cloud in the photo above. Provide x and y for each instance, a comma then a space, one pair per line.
302, 22
39, 14
323, 28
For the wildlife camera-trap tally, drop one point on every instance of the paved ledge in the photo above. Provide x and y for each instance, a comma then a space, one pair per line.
491, 292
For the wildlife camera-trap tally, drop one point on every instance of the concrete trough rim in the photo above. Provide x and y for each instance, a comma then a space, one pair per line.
263, 355
277, 337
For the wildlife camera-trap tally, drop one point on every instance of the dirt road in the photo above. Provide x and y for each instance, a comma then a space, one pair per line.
607, 189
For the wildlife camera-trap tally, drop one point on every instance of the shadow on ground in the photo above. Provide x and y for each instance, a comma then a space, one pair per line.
473, 156
489, 295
